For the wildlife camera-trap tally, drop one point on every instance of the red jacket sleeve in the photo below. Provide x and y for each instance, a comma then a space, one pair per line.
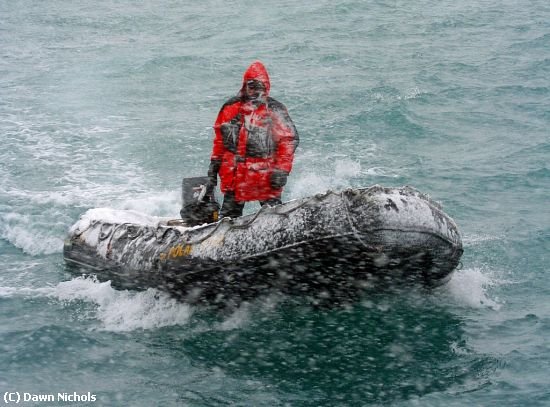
286, 137
227, 112
218, 148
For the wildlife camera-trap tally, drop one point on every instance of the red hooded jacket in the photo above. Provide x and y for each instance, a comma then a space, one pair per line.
252, 140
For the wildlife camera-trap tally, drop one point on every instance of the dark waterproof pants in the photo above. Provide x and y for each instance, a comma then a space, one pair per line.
234, 209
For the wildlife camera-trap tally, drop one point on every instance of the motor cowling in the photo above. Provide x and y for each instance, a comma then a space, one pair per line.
197, 206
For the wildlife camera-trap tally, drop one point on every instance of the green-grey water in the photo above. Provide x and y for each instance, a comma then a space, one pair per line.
110, 103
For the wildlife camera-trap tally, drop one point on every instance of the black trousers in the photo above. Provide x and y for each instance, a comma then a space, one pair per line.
234, 209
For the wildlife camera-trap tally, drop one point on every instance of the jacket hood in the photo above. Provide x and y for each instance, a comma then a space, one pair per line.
256, 71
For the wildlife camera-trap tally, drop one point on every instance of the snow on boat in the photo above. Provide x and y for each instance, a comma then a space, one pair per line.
331, 245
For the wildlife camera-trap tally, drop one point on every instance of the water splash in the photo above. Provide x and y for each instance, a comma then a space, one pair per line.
471, 288
33, 232
345, 174
18, 230
117, 310
238, 318
161, 203
473, 239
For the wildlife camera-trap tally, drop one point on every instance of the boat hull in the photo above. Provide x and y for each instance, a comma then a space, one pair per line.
330, 246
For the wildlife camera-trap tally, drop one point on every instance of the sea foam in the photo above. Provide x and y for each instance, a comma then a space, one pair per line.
117, 310
471, 288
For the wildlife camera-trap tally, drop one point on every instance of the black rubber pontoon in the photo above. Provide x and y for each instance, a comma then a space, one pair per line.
332, 245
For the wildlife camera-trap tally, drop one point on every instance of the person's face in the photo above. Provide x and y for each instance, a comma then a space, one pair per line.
254, 90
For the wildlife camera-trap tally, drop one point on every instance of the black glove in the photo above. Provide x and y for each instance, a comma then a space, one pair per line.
212, 177
278, 178
209, 190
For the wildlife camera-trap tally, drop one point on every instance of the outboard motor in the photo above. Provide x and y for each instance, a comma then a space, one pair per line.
197, 207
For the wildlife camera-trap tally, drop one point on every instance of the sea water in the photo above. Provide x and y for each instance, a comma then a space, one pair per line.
111, 103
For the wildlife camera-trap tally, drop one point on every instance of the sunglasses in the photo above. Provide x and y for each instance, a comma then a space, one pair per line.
255, 85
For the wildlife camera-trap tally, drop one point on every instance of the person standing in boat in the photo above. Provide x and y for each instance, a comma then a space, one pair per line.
254, 146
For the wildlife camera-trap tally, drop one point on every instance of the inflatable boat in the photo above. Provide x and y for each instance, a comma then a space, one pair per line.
331, 245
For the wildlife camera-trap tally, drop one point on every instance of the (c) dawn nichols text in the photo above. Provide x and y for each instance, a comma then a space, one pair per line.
66, 397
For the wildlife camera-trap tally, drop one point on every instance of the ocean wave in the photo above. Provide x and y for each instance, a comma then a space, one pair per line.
542, 41
23, 232
116, 310
37, 221
475, 239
